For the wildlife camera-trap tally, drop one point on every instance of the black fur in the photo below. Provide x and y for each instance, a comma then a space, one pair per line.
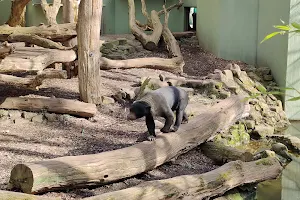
161, 103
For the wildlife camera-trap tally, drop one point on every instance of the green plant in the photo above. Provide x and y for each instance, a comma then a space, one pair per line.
283, 29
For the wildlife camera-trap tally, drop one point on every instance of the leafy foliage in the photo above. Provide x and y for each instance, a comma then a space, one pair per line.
283, 29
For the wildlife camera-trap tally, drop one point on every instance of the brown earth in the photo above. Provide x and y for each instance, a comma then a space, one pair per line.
26, 141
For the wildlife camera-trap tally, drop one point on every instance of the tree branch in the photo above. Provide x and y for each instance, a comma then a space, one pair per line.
178, 5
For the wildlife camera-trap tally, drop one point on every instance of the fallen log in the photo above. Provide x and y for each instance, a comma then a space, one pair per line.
34, 59
186, 34
55, 105
8, 195
32, 83
221, 154
37, 40
57, 32
202, 186
106, 167
173, 65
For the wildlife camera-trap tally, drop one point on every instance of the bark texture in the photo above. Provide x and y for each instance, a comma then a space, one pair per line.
202, 186
17, 13
89, 76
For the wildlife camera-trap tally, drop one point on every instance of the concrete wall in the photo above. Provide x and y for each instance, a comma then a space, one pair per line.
233, 29
227, 30
4, 11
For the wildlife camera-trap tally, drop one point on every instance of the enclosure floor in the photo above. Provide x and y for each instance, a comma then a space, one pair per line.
26, 141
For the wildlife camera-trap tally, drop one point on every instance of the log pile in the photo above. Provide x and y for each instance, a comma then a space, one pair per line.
114, 165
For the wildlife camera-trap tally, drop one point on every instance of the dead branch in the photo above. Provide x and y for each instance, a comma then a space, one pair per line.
148, 41
51, 11
102, 169
57, 32
37, 40
55, 105
177, 5
202, 186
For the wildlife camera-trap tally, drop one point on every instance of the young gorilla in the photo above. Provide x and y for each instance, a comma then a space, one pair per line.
161, 103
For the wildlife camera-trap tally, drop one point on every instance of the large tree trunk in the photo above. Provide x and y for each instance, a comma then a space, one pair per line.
8, 195
17, 13
202, 186
89, 23
114, 165
51, 11
148, 41
57, 32
55, 105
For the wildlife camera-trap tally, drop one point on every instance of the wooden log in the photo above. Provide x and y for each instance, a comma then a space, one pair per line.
32, 83
89, 55
173, 65
57, 32
202, 186
222, 154
34, 59
114, 165
36, 40
185, 34
8, 195
55, 105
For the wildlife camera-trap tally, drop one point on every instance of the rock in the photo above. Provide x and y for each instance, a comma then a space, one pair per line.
254, 76
51, 117
122, 41
106, 51
13, 114
250, 124
250, 68
107, 100
3, 113
263, 70
38, 118
264, 130
28, 115
268, 77
109, 45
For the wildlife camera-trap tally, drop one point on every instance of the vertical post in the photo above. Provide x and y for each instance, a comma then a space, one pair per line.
68, 11
88, 36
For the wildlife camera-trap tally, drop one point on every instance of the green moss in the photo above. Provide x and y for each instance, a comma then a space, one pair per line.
264, 161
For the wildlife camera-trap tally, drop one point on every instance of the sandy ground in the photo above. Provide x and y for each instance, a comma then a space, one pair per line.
28, 141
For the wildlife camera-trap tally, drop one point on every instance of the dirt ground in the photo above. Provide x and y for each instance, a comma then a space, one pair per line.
26, 141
